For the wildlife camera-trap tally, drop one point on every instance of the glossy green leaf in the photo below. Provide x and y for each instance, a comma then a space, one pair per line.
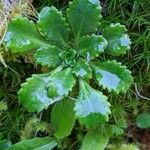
118, 40
48, 56
82, 69
40, 91
95, 140
45, 143
91, 46
93, 120
143, 120
23, 36
60, 84
84, 16
91, 101
63, 118
113, 76
34, 93
4, 145
52, 25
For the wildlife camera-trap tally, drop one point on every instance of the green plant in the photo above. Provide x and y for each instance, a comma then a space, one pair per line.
143, 120
74, 61
33, 144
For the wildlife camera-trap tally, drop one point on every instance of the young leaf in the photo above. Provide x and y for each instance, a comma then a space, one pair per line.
81, 19
52, 25
95, 140
91, 46
113, 76
45, 143
91, 101
143, 120
63, 118
34, 94
118, 40
23, 36
68, 57
82, 69
60, 84
48, 56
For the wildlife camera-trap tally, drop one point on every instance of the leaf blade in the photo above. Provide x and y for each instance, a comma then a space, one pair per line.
95, 140
20, 39
42, 90
33, 94
118, 40
63, 118
47, 56
143, 120
91, 101
82, 69
80, 17
34, 144
61, 83
91, 46
56, 30
113, 76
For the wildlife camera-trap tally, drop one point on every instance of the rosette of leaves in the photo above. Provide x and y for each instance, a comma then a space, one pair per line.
68, 45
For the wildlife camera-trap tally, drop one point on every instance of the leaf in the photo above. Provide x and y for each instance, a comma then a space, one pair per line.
34, 94
42, 90
45, 143
91, 46
5, 144
23, 36
118, 40
48, 56
113, 76
82, 69
95, 140
63, 118
68, 57
143, 120
60, 84
93, 120
91, 101
84, 16
52, 25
